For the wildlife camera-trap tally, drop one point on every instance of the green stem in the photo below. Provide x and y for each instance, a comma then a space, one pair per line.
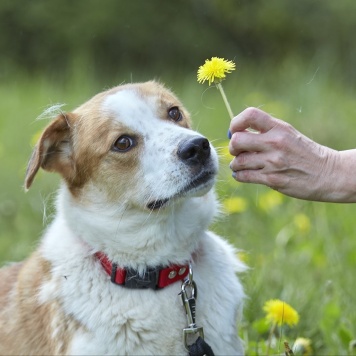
221, 89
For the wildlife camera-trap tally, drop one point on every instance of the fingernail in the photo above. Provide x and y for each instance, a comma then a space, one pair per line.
229, 134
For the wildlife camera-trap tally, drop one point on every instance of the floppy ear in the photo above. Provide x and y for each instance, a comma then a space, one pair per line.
53, 151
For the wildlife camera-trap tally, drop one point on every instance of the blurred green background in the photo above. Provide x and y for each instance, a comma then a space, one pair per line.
295, 60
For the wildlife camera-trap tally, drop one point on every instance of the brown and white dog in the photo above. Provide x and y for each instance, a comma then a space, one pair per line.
135, 202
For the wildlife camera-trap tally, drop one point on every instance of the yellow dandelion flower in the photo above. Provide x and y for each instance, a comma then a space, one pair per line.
302, 346
214, 70
235, 205
279, 312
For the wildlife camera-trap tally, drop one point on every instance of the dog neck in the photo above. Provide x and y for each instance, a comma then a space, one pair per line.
135, 238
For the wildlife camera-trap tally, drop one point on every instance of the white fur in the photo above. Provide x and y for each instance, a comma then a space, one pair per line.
116, 320
160, 171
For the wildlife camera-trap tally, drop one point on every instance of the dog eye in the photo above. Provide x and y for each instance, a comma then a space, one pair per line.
175, 114
123, 144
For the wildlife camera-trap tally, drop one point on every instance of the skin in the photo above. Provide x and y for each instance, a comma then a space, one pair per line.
282, 158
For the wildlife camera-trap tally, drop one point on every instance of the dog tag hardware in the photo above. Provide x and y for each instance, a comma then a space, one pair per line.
192, 332
193, 335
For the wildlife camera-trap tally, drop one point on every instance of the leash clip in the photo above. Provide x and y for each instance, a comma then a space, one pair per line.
188, 295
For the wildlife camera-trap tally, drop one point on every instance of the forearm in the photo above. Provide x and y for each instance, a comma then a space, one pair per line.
326, 176
340, 180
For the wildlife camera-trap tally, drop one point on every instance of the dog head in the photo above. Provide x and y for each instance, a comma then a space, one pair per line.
131, 146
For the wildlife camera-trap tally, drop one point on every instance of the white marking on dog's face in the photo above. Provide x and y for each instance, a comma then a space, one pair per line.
160, 174
128, 147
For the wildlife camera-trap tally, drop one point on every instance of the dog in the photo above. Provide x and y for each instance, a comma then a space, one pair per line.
128, 249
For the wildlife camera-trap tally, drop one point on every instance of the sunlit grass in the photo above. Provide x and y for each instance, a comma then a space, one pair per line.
301, 252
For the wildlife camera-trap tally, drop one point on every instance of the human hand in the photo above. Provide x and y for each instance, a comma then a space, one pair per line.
282, 158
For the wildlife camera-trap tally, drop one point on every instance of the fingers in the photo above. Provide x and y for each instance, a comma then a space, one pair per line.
247, 161
249, 176
253, 118
259, 156
256, 172
246, 141
258, 167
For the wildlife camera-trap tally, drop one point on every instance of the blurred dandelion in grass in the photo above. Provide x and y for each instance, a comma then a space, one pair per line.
214, 71
302, 346
302, 222
235, 205
269, 200
280, 313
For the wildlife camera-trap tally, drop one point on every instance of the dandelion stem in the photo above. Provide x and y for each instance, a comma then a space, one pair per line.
221, 89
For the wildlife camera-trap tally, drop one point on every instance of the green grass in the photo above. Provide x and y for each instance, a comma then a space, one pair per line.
301, 252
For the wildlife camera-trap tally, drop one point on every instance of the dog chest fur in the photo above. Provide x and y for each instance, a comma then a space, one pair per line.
146, 322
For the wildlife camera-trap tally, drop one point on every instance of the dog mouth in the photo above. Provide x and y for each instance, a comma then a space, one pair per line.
200, 182
157, 204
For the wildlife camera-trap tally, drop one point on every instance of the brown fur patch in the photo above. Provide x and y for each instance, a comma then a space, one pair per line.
166, 100
53, 150
22, 316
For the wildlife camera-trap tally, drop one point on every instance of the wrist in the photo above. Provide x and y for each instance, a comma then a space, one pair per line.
339, 177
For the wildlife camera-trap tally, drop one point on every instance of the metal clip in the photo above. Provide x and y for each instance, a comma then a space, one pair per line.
188, 301
188, 295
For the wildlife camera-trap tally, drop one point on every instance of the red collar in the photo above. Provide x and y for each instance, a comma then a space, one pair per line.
154, 278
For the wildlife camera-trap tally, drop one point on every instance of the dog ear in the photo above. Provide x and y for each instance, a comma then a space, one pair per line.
53, 151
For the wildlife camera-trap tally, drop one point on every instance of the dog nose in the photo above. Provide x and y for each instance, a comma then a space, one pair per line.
194, 151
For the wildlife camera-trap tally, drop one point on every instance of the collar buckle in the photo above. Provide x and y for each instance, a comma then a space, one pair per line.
132, 280
149, 280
